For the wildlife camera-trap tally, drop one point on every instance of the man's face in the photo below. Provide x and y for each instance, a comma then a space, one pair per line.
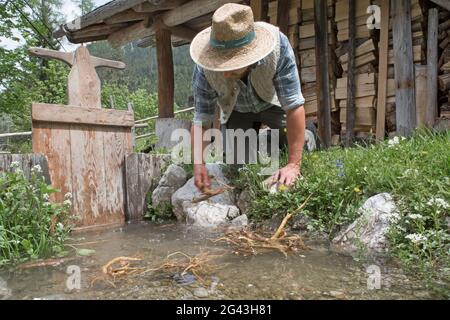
235, 74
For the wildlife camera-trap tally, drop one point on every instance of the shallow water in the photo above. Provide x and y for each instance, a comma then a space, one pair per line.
313, 274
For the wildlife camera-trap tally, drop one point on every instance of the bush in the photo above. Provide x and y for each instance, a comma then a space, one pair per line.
30, 226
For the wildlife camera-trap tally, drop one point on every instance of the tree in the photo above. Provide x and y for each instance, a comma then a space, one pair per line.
85, 6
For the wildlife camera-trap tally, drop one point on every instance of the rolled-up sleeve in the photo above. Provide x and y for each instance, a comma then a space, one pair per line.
287, 79
205, 98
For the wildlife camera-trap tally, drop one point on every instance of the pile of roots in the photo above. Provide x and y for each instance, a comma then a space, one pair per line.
247, 242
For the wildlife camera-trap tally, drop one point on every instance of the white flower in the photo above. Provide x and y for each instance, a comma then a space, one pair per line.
393, 142
46, 196
19, 171
15, 164
67, 202
394, 217
68, 196
400, 228
46, 204
438, 202
36, 168
410, 172
416, 237
60, 226
415, 216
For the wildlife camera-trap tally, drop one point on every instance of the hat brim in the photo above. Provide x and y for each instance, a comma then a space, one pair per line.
215, 59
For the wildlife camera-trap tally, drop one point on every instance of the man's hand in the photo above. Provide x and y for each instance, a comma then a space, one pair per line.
201, 177
287, 175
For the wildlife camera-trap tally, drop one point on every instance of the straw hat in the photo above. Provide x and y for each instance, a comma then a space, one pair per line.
234, 40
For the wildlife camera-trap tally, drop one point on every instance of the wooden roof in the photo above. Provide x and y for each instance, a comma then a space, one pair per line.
123, 21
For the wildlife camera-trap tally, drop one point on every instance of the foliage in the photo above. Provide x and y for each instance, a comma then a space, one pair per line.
30, 226
416, 171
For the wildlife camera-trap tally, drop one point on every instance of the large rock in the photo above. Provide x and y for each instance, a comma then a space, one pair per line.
369, 231
244, 201
182, 198
171, 181
209, 215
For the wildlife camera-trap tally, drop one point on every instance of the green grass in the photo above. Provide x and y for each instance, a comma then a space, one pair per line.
414, 171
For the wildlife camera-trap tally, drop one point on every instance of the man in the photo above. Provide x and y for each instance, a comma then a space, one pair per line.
249, 70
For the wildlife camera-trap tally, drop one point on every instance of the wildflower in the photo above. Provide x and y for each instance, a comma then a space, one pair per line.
15, 164
60, 226
67, 202
285, 130
438, 202
393, 142
46, 204
282, 188
68, 195
416, 237
415, 216
36, 168
357, 190
19, 171
410, 172
46, 196
394, 217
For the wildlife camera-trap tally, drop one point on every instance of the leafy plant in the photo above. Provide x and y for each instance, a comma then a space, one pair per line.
31, 227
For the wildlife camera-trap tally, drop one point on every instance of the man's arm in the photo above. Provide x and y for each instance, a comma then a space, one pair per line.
287, 84
205, 103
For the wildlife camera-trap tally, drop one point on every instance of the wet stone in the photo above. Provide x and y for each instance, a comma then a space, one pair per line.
201, 293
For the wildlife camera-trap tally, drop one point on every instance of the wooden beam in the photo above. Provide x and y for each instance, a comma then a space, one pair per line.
191, 10
41, 112
432, 67
65, 57
283, 15
421, 94
350, 111
177, 16
443, 3
138, 30
383, 69
98, 15
404, 67
322, 72
165, 73
148, 7
126, 16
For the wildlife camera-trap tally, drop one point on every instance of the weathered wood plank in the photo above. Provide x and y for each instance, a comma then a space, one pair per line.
88, 176
115, 148
421, 94
383, 69
71, 114
26, 163
404, 67
53, 140
322, 72
432, 67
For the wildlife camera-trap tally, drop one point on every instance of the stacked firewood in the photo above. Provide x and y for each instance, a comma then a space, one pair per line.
444, 61
365, 66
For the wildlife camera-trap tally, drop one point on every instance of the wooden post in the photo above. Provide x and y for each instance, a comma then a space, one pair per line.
322, 72
383, 69
350, 121
404, 67
283, 15
432, 67
165, 73
259, 8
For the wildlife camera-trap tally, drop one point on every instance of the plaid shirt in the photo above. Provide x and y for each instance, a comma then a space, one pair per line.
286, 82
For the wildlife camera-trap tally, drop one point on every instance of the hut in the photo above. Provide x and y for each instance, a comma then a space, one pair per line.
368, 67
